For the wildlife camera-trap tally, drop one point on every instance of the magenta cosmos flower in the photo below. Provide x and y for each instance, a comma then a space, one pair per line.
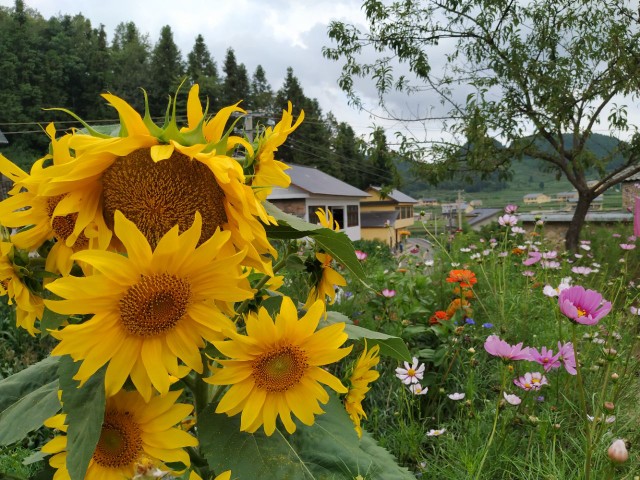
499, 348
388, 293
545, 357
582, 306
567, 356
360, 255
510, 209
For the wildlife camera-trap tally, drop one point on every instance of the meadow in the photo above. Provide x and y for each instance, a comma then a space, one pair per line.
528, 414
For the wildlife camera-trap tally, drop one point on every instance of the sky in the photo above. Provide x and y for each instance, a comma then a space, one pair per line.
275, 34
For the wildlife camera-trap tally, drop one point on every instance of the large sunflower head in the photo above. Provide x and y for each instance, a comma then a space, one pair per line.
159, 176
362, 375
276, 368
134, 433
29, 307
150, 309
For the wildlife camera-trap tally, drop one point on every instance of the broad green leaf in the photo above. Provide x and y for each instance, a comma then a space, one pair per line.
389, 345
427, 354
249, 456
84, 407
28, 413
16, 386
335, 317
328, 450
337, 244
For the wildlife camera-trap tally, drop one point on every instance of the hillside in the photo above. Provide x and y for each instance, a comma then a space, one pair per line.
527, 176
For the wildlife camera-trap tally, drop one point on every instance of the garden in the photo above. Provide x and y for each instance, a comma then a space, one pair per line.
164, 321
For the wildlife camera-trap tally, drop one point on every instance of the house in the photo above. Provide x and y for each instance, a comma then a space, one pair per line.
386, 216
428, 202
480, 217
452, 208
567, 196
536, 198
311, 189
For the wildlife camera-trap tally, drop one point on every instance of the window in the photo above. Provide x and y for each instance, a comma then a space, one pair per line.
338, 215
353, 216
313, 218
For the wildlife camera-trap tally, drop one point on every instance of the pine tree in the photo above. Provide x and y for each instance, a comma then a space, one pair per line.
260, 92
167, 72
235, 86
201, 69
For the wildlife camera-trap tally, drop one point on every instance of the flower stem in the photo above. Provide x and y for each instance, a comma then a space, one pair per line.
583, 404
495, 424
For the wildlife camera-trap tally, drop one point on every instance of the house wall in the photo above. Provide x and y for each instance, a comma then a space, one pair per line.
295, 207
384, 234
354, 232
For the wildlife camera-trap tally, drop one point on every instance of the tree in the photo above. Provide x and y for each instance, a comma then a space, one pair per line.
260, 92
167, 71
130, 52
381, 159
235, 86
529, 72
201, 69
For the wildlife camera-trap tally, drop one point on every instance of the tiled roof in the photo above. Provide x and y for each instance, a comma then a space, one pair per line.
397, 196
319, 183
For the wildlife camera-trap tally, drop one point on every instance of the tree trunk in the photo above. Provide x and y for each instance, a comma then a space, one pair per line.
572, 238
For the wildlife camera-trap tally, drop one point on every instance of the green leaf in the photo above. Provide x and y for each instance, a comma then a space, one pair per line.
84, 407
337, 244
16, 386
51, 321
389, 345
327, 450
28, 413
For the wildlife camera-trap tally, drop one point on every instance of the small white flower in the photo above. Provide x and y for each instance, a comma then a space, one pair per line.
417, 389
428, 263
512, 399
456, 396
455, 264
465, 250
410, 373
436, 433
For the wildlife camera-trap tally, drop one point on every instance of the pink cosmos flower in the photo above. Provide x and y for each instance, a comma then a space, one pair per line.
388, 293
582, 306
531, 381
534, 257
510, 209
497, 347
550, 255
582, 270
508, 220
518, 230
636, 217
360, 255
567, 356
436, 433
411, 373
528, 273
456, 396
616, 235
550, 264
512, 399
627, 246
545, 357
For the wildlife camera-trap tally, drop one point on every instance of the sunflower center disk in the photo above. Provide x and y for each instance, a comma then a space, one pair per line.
154, 305
120, 441
63, 226
158, 196
280, 369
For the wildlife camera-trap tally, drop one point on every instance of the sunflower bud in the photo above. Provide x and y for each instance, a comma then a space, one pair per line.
618, 451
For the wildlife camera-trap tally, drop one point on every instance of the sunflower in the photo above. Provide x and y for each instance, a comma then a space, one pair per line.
363, 374
325, 277
149, 309
29, 307
50, 217
269, 172
160, 176
276, 368
134, 432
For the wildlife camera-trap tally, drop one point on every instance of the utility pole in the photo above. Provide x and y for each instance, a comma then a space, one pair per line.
459, 209
248, 125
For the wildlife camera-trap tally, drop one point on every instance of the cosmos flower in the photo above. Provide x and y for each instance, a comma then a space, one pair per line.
499, 348
411, 373
360, 255
545, 357
582, 306
436, 433
534, 257
456, 396
508, 220
531, 381
567, 356
418, 389
510, 209
388, 293
512, 399
549, 291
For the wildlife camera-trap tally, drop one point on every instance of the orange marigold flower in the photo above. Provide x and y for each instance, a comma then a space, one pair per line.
456, 304
517, 251
464, 292
466, 278
438, 317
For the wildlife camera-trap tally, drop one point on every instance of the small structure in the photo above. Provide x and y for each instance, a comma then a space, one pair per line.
482, 216
385, 215
452, 208
311, 189
567, 196
475, 203
428, 202
536, 198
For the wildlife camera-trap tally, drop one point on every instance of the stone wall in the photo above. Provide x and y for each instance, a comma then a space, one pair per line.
293, 207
